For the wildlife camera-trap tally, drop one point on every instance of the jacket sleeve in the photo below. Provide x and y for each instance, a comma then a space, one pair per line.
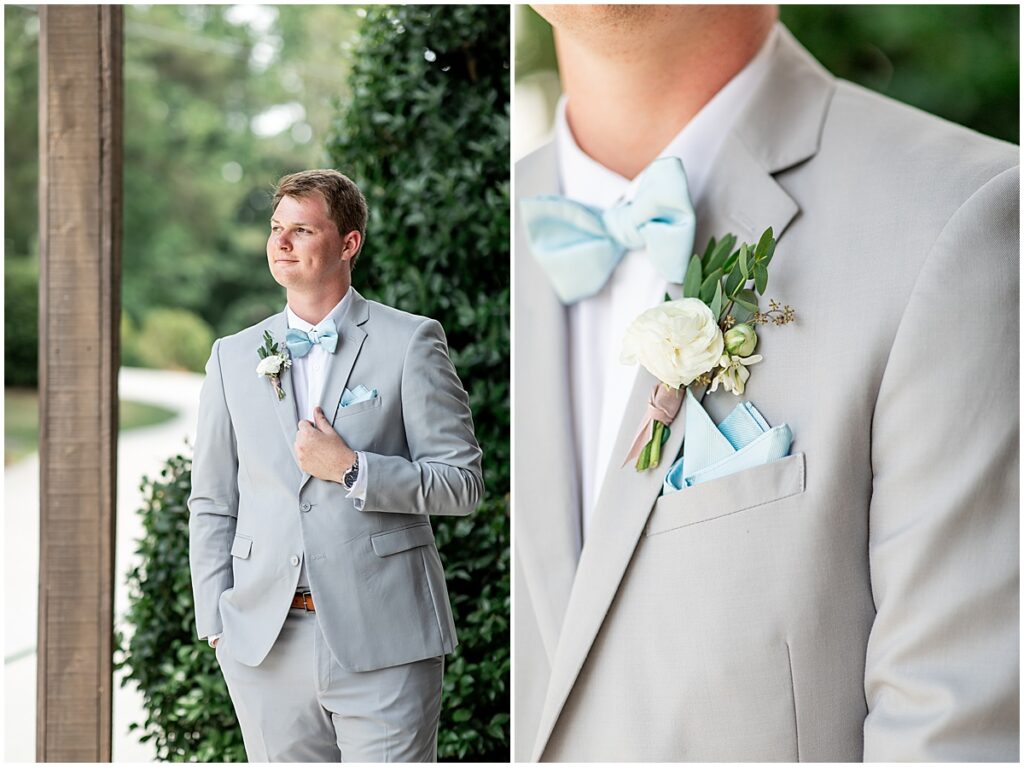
213, 503
442, 474
942, 664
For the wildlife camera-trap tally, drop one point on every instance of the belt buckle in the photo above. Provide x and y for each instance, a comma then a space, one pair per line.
307, 601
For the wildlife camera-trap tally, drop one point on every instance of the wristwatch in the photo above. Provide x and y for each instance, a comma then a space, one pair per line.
352, 474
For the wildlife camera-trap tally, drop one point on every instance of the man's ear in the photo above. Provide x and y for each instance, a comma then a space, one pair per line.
350, 245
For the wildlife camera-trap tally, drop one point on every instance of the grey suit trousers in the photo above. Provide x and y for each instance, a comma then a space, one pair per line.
299, 705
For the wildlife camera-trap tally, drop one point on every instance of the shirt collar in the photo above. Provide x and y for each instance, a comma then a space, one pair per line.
584, 179
337, 314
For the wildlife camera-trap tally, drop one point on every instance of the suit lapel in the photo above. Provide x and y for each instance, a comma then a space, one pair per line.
547, 497
742, 197
351, 336
284, 409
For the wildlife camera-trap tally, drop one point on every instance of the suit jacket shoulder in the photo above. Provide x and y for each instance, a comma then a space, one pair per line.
394, 322
918, 159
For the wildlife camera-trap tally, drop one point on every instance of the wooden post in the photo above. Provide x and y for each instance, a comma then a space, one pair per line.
80, 116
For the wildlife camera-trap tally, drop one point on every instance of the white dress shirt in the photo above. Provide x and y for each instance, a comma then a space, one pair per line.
600, 383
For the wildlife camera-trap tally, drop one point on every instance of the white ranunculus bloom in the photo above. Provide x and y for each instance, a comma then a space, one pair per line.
676, 341
733, 374
270, 366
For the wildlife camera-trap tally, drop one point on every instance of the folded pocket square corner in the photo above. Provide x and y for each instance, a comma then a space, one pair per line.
356, 395
741, 441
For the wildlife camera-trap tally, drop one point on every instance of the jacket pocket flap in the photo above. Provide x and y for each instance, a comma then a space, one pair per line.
241, 547
726, 495
357, 407
393, 541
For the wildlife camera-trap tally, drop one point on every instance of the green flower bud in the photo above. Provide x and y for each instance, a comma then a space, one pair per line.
740, 340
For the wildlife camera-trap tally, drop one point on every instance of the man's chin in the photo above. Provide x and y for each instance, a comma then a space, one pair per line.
283, 274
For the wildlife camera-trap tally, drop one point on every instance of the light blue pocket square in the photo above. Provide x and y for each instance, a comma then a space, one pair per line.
742, 441
357, 395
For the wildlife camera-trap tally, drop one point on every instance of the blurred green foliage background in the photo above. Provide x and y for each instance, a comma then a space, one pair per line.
961, 62
219, 102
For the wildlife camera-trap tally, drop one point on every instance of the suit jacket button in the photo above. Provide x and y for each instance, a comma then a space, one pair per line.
295, 560
306, 506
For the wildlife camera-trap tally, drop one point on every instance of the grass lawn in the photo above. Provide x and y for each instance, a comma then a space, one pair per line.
21, 421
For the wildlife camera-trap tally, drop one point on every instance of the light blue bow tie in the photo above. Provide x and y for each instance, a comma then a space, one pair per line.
300, 342
579, 246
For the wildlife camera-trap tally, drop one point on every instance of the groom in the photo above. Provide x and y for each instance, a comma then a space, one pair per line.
317, 463
857, 599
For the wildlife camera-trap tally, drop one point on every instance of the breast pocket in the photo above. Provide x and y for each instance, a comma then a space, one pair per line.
356, 409
744, 491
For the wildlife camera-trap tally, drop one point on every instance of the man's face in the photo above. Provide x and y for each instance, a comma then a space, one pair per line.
305, 250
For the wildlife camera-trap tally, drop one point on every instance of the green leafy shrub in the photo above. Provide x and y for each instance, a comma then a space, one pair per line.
172, 339
189, 716
21, 322
426, 138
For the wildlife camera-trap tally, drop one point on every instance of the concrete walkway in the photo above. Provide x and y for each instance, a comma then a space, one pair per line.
140, 452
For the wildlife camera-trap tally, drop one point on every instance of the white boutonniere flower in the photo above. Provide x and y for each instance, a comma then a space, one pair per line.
676, 341
696, 339
272, 362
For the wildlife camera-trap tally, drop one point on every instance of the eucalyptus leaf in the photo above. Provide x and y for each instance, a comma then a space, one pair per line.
709, 249
730, 262
734, 280
716, 302
692, 281
762, 244
744, 266
721, 252
760, 278
707, 288
770, 252
741, 313
747, 299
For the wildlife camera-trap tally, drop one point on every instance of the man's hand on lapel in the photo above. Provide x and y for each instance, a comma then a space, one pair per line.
321, 452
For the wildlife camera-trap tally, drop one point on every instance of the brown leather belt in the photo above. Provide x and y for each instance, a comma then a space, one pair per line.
303, 600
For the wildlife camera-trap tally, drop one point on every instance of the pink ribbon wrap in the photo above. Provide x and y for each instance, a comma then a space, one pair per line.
663, 406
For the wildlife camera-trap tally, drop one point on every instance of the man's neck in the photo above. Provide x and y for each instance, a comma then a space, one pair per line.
313, 307
625, 106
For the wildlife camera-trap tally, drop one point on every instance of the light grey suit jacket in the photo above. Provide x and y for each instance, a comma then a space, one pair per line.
374, 571
858, 599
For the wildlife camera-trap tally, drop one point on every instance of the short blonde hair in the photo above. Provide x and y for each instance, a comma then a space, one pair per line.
345, 202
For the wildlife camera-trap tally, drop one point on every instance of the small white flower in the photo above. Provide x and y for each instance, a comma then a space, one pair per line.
271, 365
733, 373
676, 341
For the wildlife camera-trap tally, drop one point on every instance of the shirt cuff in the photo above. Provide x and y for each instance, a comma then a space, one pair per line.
212, 638
358, 490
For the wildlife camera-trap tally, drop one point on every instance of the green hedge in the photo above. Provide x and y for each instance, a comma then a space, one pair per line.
189, 716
